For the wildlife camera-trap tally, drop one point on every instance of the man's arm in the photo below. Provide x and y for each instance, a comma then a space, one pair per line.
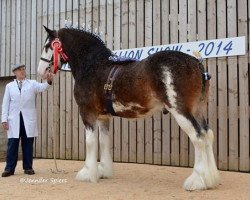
5, 108
40, 87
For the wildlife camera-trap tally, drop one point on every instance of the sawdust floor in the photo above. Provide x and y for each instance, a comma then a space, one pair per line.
131, 181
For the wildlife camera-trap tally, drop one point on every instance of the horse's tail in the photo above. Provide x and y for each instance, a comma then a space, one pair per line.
205, 82
205, 76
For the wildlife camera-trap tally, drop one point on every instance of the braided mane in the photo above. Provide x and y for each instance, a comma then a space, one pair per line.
89, 33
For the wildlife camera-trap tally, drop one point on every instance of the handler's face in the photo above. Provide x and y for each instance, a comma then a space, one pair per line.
20, 73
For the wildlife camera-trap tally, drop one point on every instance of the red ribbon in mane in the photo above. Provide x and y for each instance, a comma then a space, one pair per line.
57, 48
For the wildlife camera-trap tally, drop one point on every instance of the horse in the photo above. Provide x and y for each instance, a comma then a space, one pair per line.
107, 86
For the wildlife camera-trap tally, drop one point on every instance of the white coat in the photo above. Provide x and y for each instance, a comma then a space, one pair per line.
15, 102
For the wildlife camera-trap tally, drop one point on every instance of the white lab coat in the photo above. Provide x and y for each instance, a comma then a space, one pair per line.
15, 102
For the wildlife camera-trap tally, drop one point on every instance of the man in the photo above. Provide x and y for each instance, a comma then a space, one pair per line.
19, 118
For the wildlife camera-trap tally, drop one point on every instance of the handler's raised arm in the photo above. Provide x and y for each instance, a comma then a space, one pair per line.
40, 87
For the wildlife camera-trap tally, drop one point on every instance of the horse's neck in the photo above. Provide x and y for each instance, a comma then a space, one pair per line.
79, 69
85, 55
86, 62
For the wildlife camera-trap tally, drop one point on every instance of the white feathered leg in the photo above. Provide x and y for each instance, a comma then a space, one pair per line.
205, 174
214, 173
105, 167
89, 172
198, 180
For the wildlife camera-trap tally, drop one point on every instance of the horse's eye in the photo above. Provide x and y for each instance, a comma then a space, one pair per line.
47, 46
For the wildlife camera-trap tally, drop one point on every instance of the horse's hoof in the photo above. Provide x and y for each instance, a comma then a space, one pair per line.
194, 182
214, 179
85, 175
104, 171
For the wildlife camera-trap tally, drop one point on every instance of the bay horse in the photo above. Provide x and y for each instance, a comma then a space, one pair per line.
165, 81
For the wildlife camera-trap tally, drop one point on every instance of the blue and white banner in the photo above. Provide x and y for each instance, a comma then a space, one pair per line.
207, 48
234, 46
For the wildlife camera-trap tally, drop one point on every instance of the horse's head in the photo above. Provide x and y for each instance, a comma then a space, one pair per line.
52, 56
84, 50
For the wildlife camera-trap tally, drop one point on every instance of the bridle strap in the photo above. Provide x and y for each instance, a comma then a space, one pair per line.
46, 60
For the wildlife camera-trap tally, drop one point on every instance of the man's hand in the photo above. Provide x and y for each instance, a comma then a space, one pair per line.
49, 77
5, 125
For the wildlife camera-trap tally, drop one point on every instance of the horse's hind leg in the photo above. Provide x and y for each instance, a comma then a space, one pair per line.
205, 174
210, 155
105, 167
89, 172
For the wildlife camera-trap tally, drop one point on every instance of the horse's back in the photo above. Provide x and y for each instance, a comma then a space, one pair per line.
174, 60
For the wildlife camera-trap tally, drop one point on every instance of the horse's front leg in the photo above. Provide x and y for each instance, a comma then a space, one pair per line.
105, 167
90, 172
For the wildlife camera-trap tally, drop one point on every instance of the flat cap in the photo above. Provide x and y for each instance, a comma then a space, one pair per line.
16, 66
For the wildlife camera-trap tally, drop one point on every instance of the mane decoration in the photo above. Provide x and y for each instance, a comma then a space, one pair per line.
121, 59
85, 29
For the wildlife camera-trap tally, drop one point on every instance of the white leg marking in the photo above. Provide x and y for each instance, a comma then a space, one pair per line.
205, 174
105, 167
89, 172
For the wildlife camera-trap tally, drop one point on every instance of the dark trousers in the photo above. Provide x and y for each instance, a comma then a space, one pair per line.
12, 149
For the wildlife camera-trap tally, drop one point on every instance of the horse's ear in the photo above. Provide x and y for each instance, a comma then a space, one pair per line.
50, 32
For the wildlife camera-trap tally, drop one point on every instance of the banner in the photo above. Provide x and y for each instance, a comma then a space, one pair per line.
234, 46
208, 48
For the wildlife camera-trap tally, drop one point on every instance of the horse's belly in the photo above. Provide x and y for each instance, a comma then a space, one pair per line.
134, 110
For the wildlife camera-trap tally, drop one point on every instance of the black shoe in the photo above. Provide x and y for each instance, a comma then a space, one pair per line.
7, 173
29, 171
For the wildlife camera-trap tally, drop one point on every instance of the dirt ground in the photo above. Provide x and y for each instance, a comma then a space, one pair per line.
131, 181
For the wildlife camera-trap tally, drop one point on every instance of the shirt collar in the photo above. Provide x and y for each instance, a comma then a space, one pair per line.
19, 80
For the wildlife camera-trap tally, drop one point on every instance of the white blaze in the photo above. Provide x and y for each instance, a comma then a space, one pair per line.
43, 65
